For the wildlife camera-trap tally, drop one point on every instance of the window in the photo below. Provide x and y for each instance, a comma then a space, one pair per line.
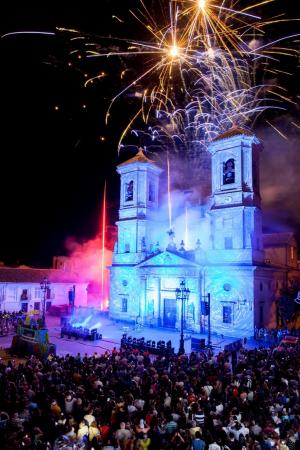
37, 292
37, 306
227, 314
127, 248
24, 307
261, 286
49, 294
292, 253
24, 295
124, 304
228, 172
227, 287
129, 191
228, 243
151, 196
48, 306
261, 314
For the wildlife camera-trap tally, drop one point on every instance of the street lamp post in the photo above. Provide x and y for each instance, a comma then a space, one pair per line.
206, 311
209, 326
182, 294
45, 283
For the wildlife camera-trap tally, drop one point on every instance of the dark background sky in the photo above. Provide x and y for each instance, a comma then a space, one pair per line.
53, 162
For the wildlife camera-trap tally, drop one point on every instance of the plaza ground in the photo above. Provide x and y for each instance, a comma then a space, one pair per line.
111, 337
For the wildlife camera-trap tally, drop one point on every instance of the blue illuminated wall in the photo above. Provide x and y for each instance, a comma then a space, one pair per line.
224, 255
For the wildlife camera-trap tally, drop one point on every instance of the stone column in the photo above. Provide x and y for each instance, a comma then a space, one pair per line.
159, 310
143, 298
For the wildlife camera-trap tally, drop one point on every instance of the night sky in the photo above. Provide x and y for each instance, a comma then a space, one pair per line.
56, 151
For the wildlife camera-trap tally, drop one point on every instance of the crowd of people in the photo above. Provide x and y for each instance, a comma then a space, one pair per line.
273, 336
9, 321
130, 400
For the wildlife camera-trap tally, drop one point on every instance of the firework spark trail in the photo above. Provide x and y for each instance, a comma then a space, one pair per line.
186, 229
277, 130
175, 54
103, 291
189, 129
16, 33
169, 193
201, 59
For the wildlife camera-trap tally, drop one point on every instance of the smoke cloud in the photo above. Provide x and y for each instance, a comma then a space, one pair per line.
85, 259
279, 176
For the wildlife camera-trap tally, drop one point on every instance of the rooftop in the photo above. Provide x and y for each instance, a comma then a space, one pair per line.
139, 157
234, 131
30, 275
283, 238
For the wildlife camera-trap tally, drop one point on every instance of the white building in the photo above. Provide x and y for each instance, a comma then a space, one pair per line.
227, 256
20, 288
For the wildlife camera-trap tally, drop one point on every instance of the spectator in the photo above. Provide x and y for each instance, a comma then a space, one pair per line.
197, 442
122, 435
144, 443
83, 430
162, 400
93, 431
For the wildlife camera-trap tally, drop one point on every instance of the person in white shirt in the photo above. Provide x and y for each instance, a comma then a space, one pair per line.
83, 430
89, 418
216, 445
207, 388
122, 435
70, 400
255, 429
167, 401
219, 408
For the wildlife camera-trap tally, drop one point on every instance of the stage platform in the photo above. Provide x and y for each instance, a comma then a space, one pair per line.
111, 337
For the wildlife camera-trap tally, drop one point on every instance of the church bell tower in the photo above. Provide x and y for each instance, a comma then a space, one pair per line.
236, 221
138, 202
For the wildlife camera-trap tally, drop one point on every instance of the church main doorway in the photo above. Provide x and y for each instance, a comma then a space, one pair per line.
169, 313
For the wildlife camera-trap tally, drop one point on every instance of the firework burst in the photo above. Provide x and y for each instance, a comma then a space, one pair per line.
200, 67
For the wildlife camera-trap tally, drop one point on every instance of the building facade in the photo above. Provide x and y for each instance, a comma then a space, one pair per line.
20, 289
220, 250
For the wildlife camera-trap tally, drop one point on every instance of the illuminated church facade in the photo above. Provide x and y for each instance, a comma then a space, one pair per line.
227, 255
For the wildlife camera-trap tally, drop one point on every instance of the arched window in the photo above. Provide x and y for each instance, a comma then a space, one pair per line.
229, 171
151, 196
227, 314
124, 304
129, 191
261, 314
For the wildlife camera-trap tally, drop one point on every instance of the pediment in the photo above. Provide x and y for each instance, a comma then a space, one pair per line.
167, 258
